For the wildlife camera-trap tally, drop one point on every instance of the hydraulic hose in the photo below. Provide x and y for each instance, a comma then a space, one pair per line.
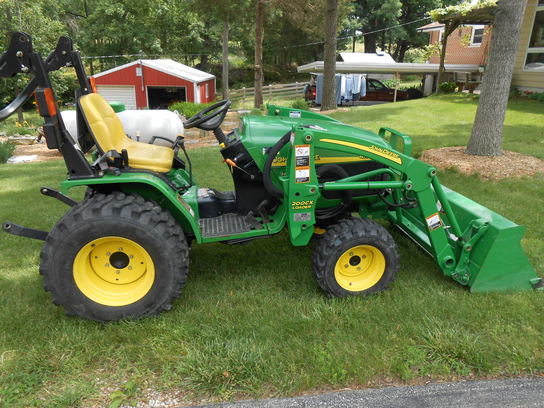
274, 150
340, 173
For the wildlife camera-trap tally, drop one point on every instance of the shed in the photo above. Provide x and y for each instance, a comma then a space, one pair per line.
155, 84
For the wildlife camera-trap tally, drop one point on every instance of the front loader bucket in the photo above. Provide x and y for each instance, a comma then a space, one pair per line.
488, 258
496, 262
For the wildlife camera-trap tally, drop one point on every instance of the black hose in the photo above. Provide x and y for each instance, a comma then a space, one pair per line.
340, 173
274, 150
188, 162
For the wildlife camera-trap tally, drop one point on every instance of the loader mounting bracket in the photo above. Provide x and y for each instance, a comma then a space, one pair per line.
471, 235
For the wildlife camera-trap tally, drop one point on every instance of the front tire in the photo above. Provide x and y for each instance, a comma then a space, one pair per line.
113, 257
355, 257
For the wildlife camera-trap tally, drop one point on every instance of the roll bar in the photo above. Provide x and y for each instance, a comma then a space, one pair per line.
20, 58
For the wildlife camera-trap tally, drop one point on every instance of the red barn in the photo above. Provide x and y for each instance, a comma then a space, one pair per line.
155, 84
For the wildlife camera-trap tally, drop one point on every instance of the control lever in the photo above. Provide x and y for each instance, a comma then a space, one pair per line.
233, 164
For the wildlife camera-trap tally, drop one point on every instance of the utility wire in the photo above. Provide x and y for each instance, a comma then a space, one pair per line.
356, 35
269, 49
141, 55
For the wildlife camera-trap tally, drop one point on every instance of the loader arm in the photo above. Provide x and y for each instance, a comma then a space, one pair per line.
470, 243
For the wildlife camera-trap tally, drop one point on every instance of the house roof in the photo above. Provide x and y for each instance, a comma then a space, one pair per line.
166, 66
434, 26
400, 67
367, 57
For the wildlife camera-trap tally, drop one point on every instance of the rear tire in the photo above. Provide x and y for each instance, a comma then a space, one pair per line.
355, 257
113, 257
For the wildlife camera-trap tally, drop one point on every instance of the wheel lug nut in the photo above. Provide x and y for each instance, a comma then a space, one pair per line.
351, 254
358, 268
107, 265
346, 265
108, 253
130, 268
117, 272
131, 256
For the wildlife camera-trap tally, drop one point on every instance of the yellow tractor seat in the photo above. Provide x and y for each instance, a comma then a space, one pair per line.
109, 134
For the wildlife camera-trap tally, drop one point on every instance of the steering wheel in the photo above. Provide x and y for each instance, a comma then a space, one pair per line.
209, 121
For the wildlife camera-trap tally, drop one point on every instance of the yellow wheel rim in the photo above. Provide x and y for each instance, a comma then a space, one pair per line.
114, 271
359, 268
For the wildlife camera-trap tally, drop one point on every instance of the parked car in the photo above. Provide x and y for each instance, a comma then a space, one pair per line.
375, 91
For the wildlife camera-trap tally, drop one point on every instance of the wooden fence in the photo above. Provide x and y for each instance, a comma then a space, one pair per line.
278, 91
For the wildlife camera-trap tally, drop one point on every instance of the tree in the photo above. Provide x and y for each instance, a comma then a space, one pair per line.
375, 15
486, 138
259, 33
407, 37
226, 13
329, 67
38, 19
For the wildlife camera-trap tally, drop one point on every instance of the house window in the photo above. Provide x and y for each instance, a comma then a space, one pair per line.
477, 36
535, 52
440, 33
207, 91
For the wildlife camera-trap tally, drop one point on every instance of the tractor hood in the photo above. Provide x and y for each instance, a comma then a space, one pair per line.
258, 133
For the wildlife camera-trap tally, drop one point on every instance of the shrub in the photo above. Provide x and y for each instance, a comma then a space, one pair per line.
447, 87
6, 150
256, 112
12, 129
515, 93
64, 84
189, 109
300, 103
537, 96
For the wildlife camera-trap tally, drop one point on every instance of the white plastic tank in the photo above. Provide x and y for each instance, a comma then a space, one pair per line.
142, 125
139, 125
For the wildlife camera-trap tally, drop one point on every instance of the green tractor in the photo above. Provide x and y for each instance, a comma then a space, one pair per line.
123, 252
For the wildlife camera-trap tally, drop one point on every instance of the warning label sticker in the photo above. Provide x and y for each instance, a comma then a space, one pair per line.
302, 155
306, 216
434, 221
295, 114
302, 175
187, 207
302, 163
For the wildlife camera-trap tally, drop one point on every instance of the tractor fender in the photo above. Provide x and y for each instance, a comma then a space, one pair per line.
150, 186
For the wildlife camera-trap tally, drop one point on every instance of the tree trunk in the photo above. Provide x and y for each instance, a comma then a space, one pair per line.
329, 68
259, 33
225, 72
449, 27
486, 138
403, 47
370, 43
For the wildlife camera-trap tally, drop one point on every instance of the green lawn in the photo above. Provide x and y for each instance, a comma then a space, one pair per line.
252, 322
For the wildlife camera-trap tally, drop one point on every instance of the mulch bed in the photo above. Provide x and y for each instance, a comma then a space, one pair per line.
510, 164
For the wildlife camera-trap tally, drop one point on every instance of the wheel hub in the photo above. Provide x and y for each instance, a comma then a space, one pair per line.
113, 271
359, 268
119, 260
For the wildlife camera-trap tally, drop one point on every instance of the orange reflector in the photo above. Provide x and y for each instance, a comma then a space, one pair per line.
93, 84
50, 100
